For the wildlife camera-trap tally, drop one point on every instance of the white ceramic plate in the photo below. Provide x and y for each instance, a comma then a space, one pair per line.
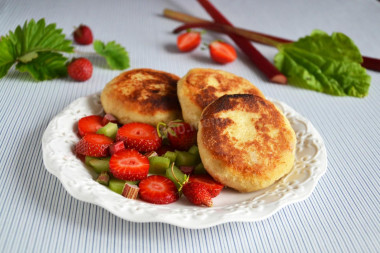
60, 137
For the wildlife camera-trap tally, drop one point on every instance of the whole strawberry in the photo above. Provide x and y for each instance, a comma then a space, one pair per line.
197, 193
80, 69
83, 35
181, 135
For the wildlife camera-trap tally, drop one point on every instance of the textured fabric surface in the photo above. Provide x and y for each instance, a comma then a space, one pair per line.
342, 214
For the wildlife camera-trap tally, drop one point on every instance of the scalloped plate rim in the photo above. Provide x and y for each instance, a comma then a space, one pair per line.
271, 210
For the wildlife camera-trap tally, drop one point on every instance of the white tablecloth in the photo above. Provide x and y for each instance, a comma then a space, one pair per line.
342, 214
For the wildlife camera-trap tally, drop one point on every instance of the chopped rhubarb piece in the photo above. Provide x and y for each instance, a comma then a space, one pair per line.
103, 178
130, 191
116, 147
187, 169
108, 118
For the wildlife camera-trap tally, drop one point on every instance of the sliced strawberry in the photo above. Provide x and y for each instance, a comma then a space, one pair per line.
140, 136
213, 187
188, 41
222, 52
181, 135
129, 165
96, 145
89, 124
158, 189
197, 193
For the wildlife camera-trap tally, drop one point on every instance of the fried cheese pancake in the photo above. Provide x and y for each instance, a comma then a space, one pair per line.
245, 142
142, 95
199, 87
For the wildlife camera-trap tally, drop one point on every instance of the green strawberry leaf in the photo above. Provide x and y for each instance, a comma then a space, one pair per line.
27, 43
329, 64
7, 56
45, 67
115, 54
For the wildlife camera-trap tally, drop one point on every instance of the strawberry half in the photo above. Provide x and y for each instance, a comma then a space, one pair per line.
89, 124
188, 41
181, 135
158, 189
197, 193
96, 145
129, 165
222, 52
212, 186
140, 136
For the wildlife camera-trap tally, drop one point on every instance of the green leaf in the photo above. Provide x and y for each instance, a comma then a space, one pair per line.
115, 54
329, 64
26, 44
47, 66
7, 56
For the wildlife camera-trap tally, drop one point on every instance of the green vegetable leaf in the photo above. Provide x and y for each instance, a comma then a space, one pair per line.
45, 67
115, 54
329, 64
28, 43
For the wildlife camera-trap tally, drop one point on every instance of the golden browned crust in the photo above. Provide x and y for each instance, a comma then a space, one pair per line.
199, 87
209, 84
142, 92
249, 138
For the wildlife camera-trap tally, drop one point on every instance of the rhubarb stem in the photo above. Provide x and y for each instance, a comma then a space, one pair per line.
266, 67
230, 30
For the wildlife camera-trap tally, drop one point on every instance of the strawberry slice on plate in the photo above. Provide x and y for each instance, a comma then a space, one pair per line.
222, 52
213, 186
140, 136
89, 124
96, 145
129, 165
188, 41
158, 189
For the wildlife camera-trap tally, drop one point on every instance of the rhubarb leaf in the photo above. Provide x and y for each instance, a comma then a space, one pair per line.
27, 43
115, 55
328, 64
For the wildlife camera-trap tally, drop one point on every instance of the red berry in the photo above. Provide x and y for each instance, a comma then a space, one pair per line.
158, 189
129, 165
140, 136
83, 35
181, 135
188, 41
89, 124
197, 194
212, 186
222, 52
80, 69
96, 145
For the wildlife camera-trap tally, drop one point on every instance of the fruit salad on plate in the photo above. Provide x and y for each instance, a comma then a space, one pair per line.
139, 161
